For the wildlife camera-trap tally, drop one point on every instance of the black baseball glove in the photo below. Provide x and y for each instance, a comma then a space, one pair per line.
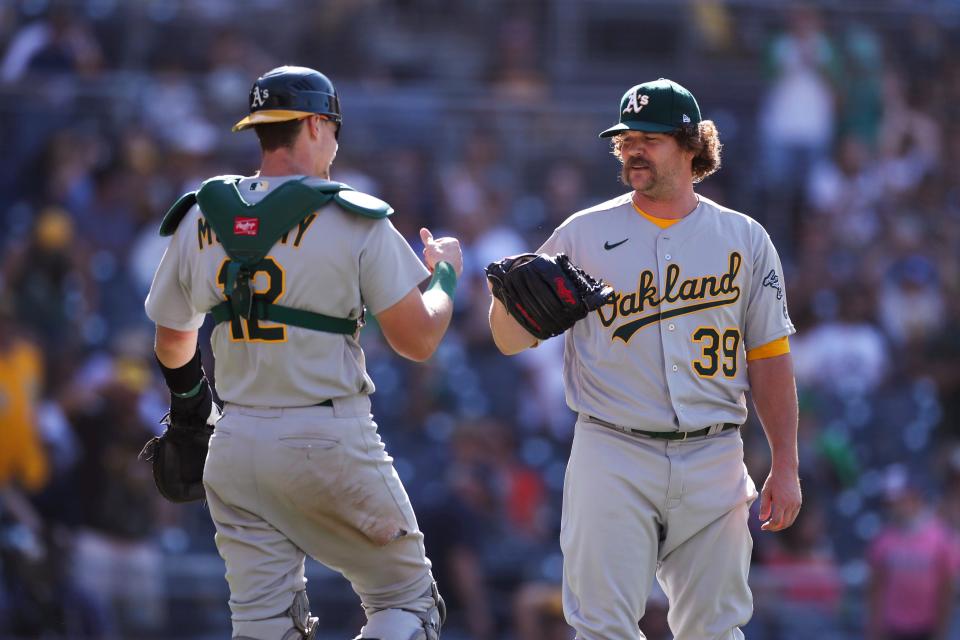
546, 294
179, 453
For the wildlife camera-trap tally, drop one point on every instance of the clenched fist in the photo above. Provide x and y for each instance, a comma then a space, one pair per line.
441, 250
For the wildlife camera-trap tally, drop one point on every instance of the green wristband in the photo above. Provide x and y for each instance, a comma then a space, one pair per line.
444, 278
191, 393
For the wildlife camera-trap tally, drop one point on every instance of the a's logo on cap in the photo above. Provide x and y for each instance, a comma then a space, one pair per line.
636, 103
259, 97
246, 226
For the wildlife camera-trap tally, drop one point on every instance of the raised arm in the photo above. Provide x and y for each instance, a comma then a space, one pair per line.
415, 325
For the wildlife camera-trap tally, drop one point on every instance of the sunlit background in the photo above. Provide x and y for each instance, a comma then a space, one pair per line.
479, 119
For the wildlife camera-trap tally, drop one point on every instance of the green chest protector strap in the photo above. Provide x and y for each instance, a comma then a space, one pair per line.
248, 232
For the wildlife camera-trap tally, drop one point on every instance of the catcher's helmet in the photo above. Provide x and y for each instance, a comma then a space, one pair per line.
291, 93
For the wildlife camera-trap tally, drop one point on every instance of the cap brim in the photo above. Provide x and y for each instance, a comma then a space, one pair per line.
649, 127
268, 116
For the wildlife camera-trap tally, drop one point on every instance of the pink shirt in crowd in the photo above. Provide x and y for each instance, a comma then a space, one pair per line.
916, 559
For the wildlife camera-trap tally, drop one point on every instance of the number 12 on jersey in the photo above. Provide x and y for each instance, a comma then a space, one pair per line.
273, 292
719, 351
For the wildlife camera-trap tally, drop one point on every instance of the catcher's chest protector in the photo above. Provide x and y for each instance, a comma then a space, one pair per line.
248, 232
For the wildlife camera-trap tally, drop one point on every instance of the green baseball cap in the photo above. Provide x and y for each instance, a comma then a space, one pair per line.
658, 106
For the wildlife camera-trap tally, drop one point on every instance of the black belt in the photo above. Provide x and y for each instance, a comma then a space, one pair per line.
325, 403
667, 435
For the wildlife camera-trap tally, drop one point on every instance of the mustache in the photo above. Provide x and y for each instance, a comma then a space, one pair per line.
637, 163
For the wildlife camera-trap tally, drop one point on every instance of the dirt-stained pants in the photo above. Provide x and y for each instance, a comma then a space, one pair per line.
286, 483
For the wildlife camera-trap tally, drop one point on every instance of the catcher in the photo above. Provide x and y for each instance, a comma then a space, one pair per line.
287, 262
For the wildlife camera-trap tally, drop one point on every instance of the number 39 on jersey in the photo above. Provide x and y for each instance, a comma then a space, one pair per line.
720, 351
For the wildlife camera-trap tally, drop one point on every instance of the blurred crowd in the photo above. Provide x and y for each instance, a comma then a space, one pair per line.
480, 121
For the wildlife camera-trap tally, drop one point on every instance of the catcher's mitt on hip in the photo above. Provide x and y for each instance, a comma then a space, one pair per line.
546, 294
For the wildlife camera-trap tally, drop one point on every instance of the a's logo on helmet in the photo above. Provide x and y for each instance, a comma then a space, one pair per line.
259, 97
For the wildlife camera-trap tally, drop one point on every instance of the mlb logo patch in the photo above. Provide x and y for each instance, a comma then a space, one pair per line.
246, 226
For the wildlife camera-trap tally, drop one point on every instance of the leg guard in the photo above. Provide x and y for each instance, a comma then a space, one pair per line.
305, 626
400, 624
303, 622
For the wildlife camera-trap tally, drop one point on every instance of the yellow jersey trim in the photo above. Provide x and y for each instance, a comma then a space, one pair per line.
772, 349
663, 223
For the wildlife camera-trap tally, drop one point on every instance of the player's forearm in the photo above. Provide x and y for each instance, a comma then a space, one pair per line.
439, 312
775, 398
175, 348
438, 302
416, 324
508, 335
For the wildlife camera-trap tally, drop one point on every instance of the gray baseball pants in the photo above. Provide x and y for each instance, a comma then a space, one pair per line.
633, 507
286, 483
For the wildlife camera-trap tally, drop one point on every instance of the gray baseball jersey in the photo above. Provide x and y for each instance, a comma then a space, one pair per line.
333, 263
669, 354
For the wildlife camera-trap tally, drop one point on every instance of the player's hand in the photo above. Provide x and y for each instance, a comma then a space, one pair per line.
780, 500
441, 250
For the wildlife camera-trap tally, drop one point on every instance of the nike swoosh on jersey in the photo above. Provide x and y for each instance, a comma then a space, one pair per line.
608, 246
